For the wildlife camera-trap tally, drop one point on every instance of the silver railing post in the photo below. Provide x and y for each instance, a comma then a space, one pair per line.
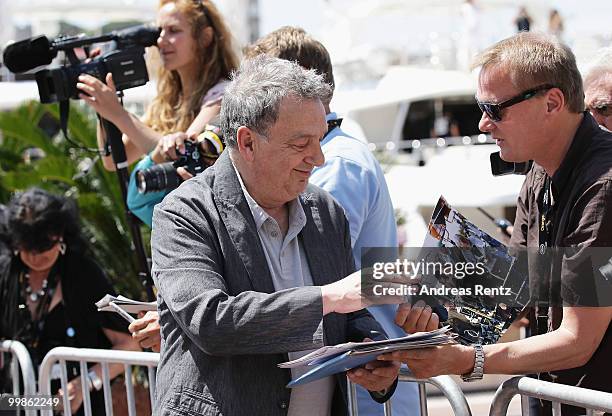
423, 399
352, 398
20, 360
445, 384
556, 393
104, 358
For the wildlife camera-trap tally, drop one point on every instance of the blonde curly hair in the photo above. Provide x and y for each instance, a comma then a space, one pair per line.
174, 109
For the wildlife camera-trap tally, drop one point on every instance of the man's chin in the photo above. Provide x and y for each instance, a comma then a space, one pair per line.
507, 156
297, 190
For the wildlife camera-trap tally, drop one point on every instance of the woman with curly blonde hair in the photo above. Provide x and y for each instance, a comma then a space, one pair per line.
196, 54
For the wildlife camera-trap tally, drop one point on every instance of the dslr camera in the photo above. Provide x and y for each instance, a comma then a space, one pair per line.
195, 160
125, 61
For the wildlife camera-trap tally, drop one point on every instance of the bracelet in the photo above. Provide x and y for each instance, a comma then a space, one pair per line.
94, 381
479, 359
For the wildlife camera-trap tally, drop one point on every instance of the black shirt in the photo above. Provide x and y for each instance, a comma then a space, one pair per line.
579, 225
75, 322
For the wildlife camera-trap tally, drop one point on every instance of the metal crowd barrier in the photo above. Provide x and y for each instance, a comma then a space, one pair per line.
445, 384
591, 400
20, 360
104, 357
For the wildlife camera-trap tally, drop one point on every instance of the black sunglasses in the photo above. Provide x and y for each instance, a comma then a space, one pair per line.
493, 111
39, 246
604, 110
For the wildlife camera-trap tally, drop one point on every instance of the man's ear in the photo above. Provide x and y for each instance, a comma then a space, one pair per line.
555, 100
207, 35
245, 139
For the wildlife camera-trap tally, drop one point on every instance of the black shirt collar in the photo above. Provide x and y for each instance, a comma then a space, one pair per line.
580, 143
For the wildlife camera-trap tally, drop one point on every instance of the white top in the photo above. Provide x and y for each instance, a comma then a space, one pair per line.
215, 93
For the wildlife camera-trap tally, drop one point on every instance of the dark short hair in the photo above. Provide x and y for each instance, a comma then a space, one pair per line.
294, 44
36, 218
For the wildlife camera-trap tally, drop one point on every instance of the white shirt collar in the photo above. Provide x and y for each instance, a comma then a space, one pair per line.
297, 217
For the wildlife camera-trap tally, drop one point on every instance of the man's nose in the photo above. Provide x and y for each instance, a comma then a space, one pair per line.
485, 124
316, 157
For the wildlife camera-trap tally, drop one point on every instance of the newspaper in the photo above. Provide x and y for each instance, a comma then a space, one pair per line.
418, 340
328, 361
124, 306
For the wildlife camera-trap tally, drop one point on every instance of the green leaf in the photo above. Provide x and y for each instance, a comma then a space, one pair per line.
97, 193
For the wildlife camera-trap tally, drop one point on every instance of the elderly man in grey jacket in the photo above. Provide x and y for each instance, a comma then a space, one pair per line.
250, 262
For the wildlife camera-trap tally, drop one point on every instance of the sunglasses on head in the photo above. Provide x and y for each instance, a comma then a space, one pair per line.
604, 110
493, 111
40, 246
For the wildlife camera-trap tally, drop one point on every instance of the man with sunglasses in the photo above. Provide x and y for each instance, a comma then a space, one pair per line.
598, 88
530, 92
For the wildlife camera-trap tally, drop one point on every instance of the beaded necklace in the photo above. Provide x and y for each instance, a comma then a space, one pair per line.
35, 295
33, 326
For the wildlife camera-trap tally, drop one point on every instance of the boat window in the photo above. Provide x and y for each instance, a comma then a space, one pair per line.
448, 117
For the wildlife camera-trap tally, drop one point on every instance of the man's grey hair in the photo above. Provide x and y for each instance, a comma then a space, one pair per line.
600, 66
253, 97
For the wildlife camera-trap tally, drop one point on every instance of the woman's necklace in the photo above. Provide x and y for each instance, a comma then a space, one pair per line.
35, 296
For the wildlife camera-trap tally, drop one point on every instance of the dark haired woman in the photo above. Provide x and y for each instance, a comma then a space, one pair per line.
48, 287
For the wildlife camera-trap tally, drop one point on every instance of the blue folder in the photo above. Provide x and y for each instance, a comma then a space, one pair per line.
343, 362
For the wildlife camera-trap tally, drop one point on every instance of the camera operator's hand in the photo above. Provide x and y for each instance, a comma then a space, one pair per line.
102, 97
166, 149
206, 148
169, 147
92, 54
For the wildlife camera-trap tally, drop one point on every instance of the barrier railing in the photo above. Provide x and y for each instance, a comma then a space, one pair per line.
445, 384
104, 357
591, 400
20, 362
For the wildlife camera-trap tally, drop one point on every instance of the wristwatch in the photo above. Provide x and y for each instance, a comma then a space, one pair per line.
478, 371
95, 382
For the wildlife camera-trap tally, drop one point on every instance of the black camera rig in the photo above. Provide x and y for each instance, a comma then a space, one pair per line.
127, 65
126, 60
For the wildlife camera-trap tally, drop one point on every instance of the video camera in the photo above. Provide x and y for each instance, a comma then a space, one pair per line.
127, 65
126, 61
197, 157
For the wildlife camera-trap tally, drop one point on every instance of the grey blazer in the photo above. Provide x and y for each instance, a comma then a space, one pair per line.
224, 328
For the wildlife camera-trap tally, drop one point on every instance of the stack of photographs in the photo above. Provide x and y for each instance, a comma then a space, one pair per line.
334, 359
483, 303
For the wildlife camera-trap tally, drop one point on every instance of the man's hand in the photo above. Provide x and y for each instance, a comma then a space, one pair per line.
416, 318
146, 330
435, 361
374, 376
348, 295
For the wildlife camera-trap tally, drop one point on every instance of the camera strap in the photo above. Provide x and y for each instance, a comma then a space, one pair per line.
64, 113
546, 205
64, 107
